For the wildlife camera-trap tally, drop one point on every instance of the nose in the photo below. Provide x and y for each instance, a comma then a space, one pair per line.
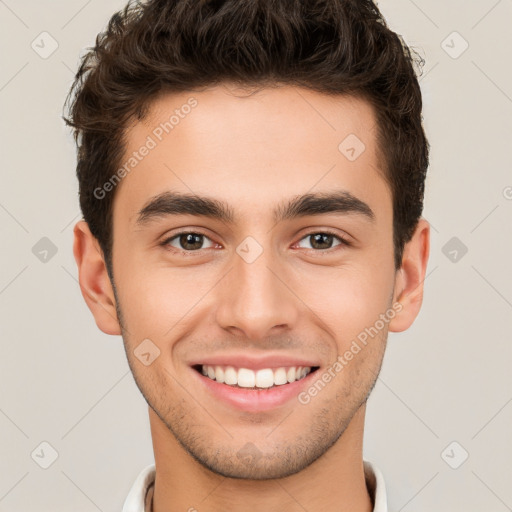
255, 299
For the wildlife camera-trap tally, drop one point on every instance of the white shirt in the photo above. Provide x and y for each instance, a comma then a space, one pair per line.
140, 497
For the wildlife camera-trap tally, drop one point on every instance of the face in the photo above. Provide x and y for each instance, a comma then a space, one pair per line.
222, 267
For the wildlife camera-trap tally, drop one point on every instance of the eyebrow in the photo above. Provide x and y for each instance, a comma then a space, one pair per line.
177, 203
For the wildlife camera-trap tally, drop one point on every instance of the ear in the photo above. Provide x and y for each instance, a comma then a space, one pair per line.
410, 277
94, 280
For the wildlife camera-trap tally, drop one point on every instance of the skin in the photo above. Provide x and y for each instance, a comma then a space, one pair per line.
254, 152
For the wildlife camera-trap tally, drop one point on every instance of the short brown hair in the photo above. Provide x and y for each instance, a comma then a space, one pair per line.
329, 46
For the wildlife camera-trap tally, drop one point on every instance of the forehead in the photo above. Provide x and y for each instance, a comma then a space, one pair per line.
251, 148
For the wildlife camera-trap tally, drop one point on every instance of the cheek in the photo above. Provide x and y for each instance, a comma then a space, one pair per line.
155, 298
347, 299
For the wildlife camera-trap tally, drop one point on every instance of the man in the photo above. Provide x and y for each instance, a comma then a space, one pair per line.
251, 179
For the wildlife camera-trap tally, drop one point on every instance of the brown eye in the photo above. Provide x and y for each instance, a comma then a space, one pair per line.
323, 240
187, 241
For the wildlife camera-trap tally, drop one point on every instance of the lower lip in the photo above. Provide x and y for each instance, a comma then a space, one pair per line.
255, 400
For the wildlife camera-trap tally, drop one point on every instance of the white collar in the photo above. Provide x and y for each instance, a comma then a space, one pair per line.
141, 494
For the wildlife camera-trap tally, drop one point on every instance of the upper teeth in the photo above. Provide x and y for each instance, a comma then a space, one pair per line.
246, 378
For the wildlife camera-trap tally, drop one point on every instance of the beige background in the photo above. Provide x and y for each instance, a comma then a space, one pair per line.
445, 380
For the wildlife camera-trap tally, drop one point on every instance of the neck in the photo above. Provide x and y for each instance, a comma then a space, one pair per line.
335, 482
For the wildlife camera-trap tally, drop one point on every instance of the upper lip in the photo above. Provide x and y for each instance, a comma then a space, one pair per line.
254, 362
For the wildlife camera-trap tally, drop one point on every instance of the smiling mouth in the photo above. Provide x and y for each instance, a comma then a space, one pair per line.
265, 378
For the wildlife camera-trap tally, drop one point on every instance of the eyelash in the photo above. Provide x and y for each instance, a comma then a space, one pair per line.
341, 239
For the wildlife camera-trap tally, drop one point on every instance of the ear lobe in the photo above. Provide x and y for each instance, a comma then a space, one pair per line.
410, 277
94, 280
